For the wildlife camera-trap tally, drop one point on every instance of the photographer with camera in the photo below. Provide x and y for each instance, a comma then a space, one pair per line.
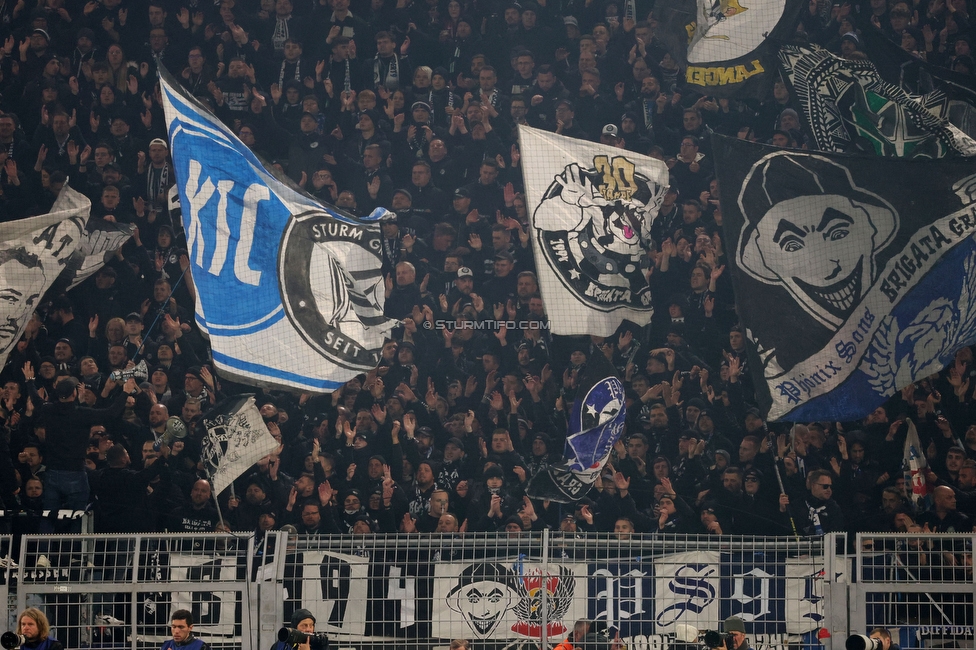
878, 639
301, 635
734, 637
33, 633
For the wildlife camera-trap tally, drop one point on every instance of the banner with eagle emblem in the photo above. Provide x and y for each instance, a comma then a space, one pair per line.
503, 598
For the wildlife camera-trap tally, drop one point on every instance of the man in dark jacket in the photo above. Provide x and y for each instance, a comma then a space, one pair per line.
120, 493
68, 427
817, 513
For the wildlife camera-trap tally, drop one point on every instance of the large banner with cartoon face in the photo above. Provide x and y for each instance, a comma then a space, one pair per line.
33, 253
854, 276
504, 599
591, 210
289, 291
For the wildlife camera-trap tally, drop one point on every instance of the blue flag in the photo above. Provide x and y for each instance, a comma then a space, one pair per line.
596, 421
288, 290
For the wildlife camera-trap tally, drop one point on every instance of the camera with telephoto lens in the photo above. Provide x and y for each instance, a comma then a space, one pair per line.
713, 639
294, 638
861, 642
11, 640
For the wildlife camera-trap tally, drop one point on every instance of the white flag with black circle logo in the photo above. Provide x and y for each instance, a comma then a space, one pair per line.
591, 207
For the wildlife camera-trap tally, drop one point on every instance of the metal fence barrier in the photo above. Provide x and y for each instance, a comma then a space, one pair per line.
115, 591
919, 586
525, 590
7, 564
421, 592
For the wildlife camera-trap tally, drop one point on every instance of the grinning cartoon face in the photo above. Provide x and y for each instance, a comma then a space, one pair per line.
819, 244
482, 595
819, 234
483, 605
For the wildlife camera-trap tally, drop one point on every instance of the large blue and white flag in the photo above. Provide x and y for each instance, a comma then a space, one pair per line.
854, 276
288, 290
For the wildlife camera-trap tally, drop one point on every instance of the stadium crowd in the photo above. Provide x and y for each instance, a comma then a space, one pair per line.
413, 105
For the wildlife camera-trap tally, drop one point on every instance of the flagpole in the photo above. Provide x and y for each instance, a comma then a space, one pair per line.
158, 314
220, 515
779, 478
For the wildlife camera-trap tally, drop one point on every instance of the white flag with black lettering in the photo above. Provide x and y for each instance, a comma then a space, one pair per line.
237, 437
686, 590
591, 208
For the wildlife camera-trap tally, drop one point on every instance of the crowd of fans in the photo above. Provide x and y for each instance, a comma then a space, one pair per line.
413, 105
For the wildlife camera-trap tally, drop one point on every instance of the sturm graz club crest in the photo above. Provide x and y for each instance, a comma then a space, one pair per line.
332, 287
594, 226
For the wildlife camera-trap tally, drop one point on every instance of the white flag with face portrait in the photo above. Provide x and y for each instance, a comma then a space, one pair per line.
591, 207
33, 253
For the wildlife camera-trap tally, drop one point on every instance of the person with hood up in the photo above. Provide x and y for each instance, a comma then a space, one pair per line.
494, 504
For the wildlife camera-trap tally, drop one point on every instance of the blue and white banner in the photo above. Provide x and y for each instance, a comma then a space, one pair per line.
621, 595
805, 601
753, 589
873, 288
288, 290
597, 419
687, 587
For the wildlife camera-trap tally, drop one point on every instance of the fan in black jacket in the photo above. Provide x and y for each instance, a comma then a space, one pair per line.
68, 426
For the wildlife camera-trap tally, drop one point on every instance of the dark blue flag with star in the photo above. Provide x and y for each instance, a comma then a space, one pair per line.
596, 422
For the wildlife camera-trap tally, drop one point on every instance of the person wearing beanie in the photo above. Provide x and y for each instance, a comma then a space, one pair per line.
541, 454
493, 503
245, 514
302, 621
457, 465
789, 121
735, 629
